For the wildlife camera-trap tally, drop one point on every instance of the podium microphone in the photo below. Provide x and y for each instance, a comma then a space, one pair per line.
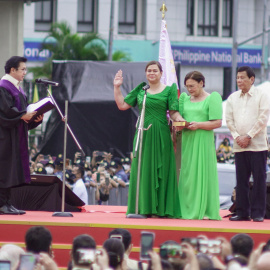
47, 82
146, 87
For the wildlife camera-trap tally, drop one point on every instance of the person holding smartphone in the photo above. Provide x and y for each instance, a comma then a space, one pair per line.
158, 193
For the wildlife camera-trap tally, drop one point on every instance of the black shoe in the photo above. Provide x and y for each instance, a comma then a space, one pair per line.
21, 212
8, 210
239, 218
258, 219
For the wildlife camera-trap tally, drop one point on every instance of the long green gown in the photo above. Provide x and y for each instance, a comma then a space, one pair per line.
158, 183
198, 181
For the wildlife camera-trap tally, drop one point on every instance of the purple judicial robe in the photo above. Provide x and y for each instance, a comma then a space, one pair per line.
14, 158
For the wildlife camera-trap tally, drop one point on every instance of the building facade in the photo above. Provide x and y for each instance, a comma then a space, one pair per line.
200, 31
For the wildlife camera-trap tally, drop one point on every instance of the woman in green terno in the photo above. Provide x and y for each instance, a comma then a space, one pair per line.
158, 194
198, 182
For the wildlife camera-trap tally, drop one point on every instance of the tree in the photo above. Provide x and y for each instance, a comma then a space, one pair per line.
64, 45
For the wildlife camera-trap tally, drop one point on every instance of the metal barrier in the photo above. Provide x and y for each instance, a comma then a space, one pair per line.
117, 196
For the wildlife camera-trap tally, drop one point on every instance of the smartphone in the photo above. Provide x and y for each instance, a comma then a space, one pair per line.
27, 262
5, 265
98, 177
117, 236
210, 246
88, 159
107, 180
194, 242
86, 256
147, 241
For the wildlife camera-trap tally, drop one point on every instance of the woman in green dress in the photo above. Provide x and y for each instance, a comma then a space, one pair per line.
198, 182
158, 193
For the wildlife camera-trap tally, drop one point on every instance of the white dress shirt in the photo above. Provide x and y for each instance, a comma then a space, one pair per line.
9, 78
80, 190
247, 114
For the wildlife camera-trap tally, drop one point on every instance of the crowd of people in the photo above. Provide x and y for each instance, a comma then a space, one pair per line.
198, 253
102, 171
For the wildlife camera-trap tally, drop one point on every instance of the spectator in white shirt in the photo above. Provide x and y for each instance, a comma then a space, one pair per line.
79, 187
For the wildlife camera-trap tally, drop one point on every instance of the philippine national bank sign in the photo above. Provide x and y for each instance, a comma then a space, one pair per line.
216, 56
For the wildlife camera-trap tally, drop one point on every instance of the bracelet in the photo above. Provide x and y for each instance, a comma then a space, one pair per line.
248, 136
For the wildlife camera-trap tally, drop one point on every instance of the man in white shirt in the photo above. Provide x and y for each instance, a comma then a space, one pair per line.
247, 113
79, 187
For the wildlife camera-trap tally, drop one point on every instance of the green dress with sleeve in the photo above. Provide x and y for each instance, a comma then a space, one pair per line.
158, 182
198, 182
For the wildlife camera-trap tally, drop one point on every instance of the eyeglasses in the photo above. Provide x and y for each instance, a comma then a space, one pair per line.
24, 70
190, 86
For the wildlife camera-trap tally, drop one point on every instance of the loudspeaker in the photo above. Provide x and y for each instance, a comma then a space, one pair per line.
44, 193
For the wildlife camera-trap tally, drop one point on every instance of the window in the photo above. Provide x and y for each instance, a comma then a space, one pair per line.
209, 18
44, 15
190, 17
127, 16
227, 18
86, 15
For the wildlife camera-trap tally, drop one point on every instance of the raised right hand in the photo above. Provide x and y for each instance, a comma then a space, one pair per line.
118, 79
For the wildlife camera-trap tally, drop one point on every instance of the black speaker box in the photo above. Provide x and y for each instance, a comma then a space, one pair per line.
44, 193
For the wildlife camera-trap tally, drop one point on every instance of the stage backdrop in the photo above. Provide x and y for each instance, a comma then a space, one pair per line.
92, 113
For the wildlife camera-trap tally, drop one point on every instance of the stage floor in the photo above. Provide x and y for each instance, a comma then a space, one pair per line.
99, 220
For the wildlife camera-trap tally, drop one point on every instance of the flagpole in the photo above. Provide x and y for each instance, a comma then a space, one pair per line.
169, 74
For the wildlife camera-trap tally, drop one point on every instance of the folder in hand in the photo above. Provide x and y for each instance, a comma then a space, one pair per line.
41, 107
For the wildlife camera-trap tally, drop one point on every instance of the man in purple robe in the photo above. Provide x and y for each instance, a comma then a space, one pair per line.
14, 126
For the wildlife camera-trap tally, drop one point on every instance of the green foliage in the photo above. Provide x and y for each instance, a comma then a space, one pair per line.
65, 45
121, 56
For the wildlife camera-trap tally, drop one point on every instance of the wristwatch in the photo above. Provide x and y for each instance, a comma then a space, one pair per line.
248, 136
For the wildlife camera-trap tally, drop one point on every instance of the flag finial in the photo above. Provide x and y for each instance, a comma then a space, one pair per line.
163, 9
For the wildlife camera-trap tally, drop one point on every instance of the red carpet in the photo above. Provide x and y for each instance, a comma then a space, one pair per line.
99, 220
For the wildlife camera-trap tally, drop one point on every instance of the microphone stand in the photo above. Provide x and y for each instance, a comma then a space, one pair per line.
63, 213
139, 140
68, 127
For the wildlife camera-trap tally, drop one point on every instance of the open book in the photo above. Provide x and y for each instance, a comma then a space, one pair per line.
42, 106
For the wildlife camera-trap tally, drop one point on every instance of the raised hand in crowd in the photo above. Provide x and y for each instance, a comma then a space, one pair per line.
192, 262
45, 262
102, 259
155, 261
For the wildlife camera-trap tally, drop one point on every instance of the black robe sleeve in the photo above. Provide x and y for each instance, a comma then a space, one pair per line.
10, 116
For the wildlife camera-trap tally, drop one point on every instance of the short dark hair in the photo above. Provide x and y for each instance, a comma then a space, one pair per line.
38, 239
80, 169
115, 250
154, 63
242, 244
250, 72
205, 263
126, 236
196, 76
14, 62
82, 241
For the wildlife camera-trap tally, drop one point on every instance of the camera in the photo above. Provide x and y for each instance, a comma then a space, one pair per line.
168, 251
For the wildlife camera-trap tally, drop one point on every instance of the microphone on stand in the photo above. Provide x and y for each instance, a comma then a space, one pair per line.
146, 87
47, 82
